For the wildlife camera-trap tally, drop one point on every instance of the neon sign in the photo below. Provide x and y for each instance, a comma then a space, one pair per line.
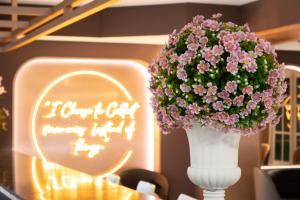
64, 110
90, 115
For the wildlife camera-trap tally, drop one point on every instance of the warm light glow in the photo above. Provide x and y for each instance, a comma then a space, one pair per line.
144, 39
91, 126
274, 167
68, 177
93, 149
53, 179
69, 108
292, 67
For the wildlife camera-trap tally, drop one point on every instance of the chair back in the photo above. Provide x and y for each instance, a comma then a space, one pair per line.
131, 177
145, 187
185, 197
113, 178
265, 152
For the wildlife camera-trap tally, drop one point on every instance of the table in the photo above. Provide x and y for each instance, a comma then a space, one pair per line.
34, 179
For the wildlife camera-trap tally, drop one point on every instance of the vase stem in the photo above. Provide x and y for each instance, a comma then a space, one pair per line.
214, 195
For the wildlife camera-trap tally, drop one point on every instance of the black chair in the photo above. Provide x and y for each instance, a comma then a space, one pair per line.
287, 182
131, 177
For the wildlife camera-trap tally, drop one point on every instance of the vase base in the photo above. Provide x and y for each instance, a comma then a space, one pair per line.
214, 195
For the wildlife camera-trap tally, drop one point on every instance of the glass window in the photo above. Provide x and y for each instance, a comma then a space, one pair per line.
286, 147
298, 141
279, 125
278, 145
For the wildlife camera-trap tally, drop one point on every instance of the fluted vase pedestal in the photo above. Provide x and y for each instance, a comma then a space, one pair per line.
214, 160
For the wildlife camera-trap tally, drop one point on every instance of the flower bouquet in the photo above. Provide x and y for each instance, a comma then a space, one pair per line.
216, 77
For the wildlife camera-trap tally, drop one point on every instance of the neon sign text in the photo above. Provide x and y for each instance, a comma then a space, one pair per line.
98, 128
70, 108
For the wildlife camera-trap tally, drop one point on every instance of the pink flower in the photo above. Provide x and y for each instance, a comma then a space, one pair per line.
251, 105
200, 90
252, 67
273, 74
222, 35
251, 37
153, 68
157, 92
198, 19
208, 55
154, 102
230, 46
181, 102
172, 40
232, 119
244, 113
223, 94
241, 56
164, 63
203, 67
232, 58
183, 59
198, 31
181, 74
212, 89
218, 106
268, 103
209, 99
280, 90
256, 97
211, 24
194, 108
238, 101
231, 86
203, 41
272, 81
248, 90
193, 46
217, 50
232, 67
191, 39
252, 55
216, 16
223, 116
185, 88
169, 92
227, 102
238, 36
173, 57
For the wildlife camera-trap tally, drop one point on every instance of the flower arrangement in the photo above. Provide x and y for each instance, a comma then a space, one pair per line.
218, 74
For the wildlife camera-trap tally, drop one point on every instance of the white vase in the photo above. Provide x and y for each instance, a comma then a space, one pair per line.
214, 160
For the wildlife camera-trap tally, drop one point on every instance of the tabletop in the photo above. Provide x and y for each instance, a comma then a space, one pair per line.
34, 179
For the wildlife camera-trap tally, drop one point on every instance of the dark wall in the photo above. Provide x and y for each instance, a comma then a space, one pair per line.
163, 19
146, 20
289, 57
266, 14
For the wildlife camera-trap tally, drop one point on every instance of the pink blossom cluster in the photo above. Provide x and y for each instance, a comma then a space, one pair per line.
218, 74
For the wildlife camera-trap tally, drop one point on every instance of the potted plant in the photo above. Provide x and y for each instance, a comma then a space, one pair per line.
218, 81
